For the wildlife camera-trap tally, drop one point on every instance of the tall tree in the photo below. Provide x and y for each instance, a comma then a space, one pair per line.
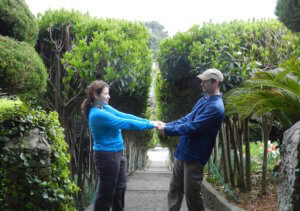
288, 12
157, 32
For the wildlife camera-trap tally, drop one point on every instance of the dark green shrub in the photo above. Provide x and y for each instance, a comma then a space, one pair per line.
21, 69
288, 12
17, 21
20, 188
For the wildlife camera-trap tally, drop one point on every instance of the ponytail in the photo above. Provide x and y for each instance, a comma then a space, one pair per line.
86, 106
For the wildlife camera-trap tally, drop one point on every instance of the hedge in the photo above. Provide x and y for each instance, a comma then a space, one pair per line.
17, 21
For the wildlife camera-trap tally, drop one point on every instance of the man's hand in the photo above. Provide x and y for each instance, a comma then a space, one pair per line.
161, 126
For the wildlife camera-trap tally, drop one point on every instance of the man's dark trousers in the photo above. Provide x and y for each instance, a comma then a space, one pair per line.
186, 179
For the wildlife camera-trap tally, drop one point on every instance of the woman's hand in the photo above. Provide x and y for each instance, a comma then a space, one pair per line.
159, 125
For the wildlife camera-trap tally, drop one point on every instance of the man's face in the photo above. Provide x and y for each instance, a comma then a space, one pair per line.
208, 86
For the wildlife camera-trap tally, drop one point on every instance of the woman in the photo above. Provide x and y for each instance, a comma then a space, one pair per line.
106, 123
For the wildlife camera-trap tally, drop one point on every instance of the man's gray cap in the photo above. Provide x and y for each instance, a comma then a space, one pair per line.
211, 74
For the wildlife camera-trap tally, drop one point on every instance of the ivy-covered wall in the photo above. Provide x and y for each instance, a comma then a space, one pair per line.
34, 161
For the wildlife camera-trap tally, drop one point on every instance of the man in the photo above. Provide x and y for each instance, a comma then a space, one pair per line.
198, 131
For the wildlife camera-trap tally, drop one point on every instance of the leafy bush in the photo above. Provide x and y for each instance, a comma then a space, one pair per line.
28, 190
17, 21
288, 12
21, 69
116, 51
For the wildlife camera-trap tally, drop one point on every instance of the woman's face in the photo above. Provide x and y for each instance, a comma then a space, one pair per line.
104, 97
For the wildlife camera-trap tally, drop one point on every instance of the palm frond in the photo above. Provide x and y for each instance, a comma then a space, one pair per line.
276, 91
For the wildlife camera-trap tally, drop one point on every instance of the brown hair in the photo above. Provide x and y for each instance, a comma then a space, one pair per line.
95, 87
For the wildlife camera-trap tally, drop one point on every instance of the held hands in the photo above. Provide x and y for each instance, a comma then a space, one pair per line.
159, 125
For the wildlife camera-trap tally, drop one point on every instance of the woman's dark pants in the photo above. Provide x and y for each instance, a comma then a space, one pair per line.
111, 167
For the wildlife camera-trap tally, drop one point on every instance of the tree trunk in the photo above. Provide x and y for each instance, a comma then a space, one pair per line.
266, 126
239, 137
81, 172
224, 153
248, 156
228, 138
216, 148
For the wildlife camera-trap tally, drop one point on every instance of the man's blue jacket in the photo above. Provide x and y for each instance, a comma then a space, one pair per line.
198, 129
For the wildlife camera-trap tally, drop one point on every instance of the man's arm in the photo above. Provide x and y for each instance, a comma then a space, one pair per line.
182, 120
203, 121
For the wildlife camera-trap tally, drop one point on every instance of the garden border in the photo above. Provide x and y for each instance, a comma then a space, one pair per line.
215, 201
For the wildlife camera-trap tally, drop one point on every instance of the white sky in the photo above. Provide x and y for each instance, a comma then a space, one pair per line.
174, 15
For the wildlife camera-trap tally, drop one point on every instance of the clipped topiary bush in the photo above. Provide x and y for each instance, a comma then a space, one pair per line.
288, 12
22, 71
22, 184
17, 21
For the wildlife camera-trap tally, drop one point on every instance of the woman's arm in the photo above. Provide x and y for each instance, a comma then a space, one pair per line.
124, 115
106, 119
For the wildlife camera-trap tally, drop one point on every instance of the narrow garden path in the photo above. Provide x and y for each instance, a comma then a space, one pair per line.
147, 190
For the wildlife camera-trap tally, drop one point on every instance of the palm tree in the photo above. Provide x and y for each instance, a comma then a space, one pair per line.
269, 94
274, 92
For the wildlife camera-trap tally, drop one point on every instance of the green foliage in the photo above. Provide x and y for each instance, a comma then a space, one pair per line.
256, 151
116, 51
21, 69
28, 190
17, 21
56, 18
276, 91
173, 102
237, 49
288, 12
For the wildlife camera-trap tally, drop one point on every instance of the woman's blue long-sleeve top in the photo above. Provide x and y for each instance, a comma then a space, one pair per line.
106, 124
